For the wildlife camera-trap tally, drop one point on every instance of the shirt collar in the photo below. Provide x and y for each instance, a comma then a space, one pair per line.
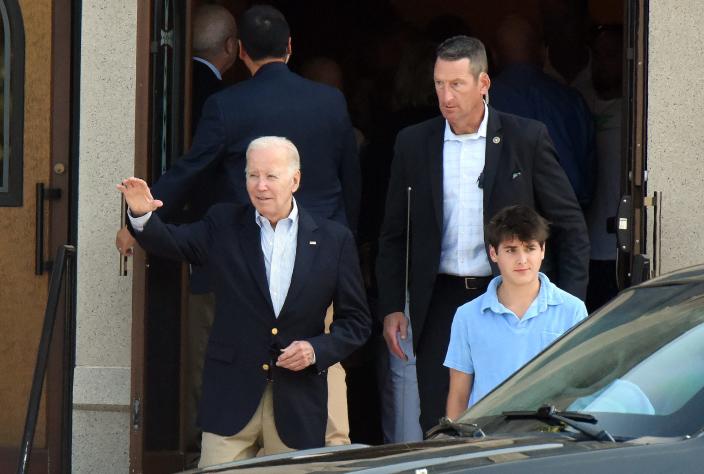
480, 133
293, 216
215, 70
547, 296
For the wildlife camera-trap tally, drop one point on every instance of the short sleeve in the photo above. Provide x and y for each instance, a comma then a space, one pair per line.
580, 312
459, 353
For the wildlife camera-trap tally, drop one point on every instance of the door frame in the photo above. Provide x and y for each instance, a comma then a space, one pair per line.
140, 460
139, 261
634, 139
65, 61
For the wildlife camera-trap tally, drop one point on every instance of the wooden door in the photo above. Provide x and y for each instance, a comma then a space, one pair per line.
35, 153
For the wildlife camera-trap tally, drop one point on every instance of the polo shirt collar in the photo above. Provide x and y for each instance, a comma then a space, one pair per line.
547, 296
480, 133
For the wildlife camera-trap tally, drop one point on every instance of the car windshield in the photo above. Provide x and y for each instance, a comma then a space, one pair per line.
636, 365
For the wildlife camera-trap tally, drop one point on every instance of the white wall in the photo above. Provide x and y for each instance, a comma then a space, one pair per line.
676, 130
101, 423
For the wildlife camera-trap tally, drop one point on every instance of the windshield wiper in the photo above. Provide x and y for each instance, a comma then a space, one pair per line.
454, 428
573, 419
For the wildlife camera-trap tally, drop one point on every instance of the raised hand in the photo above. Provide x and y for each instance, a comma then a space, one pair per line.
138, 197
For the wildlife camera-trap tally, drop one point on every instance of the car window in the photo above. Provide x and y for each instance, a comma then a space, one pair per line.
659, 385
638, 362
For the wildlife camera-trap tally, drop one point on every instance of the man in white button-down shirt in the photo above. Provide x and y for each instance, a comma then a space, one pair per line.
276, 270
450, 175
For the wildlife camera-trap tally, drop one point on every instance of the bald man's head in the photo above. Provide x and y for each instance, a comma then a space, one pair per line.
215, 36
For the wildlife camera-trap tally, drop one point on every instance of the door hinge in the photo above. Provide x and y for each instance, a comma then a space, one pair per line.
167, 38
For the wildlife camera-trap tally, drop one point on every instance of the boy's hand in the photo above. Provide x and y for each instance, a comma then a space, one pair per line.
394, 324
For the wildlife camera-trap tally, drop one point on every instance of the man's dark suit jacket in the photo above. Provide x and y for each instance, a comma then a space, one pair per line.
520, 168
246, 331
273, 102
204, 84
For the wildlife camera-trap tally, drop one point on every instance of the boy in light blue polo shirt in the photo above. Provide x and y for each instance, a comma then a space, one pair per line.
520, 314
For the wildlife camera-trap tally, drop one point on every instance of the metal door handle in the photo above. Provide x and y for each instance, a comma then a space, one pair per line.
123, 222
42, 194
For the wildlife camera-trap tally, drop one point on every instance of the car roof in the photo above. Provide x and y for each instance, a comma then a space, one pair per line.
687, 275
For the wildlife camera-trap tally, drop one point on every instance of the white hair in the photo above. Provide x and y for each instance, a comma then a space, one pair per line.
294, 159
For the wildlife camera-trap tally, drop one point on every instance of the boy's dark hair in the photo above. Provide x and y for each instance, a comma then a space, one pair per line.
264, 32
460, 47
520, 222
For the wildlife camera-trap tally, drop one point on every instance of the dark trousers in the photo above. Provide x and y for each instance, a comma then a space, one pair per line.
449, 294
602, 283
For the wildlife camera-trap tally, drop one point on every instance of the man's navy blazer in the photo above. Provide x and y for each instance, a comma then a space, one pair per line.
204, 83
246, 334
273, 102
520, 168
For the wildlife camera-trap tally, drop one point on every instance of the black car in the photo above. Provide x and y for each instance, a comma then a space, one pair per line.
622, 392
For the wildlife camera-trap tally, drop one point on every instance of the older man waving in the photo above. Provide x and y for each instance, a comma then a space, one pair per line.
276, 270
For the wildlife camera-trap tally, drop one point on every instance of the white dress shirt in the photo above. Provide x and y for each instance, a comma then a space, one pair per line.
278, 246
279, 249
463, 252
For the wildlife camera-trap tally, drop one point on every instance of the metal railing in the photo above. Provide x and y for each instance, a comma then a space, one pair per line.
60, 270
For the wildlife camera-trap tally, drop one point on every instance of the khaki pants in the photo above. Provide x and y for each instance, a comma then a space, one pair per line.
201, 312
258, 436
200, 319
338, 427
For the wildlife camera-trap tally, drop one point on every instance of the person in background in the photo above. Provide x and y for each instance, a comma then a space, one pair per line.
327, 71
565, 25
523, 89
214, 52
607, 67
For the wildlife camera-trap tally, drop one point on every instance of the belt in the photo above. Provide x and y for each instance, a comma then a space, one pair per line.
465, 282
